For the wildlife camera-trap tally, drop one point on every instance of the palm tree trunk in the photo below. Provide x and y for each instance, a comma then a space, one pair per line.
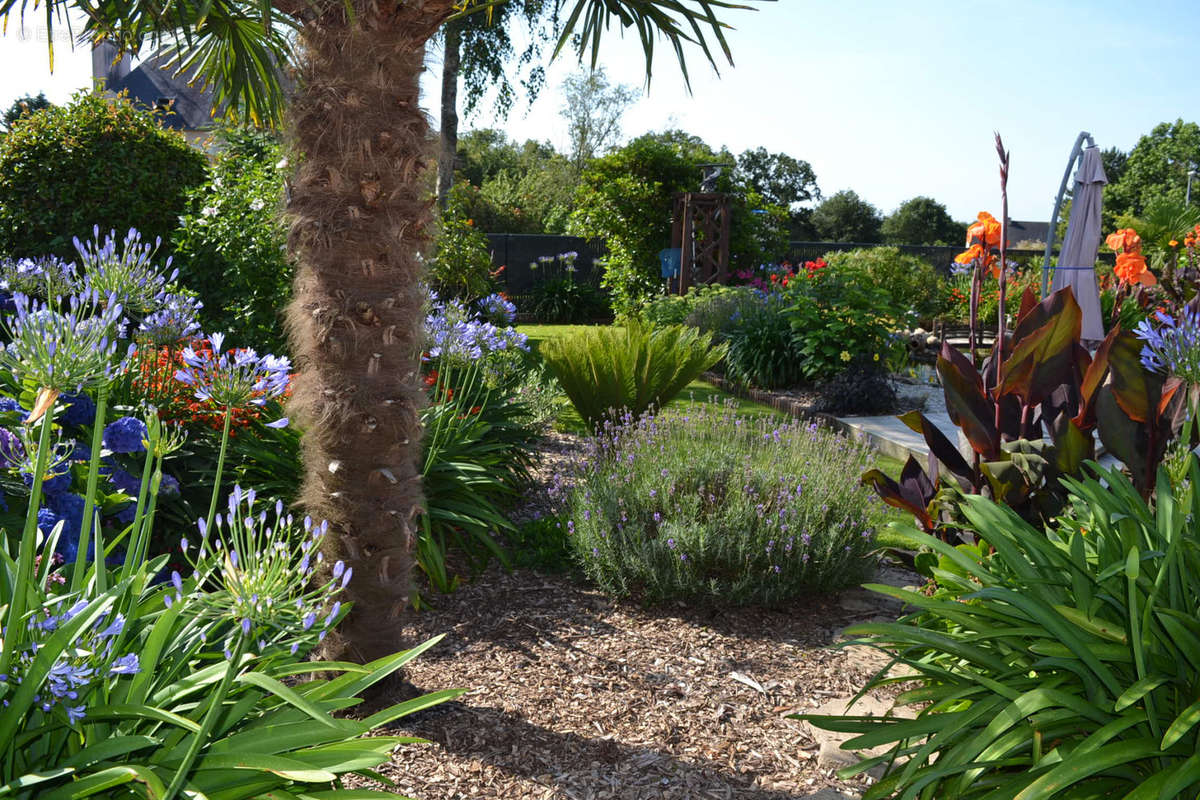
359, 214
448, 127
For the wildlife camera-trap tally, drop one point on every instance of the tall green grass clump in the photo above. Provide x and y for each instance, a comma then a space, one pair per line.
716, 508
605, 371
1057, 663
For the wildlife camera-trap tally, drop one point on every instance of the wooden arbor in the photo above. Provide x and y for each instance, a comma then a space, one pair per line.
700, 228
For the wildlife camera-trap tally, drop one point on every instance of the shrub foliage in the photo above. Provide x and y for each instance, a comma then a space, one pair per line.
608, 370
717, 508
97, 161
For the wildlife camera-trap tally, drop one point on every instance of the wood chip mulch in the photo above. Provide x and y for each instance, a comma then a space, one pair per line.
573, 695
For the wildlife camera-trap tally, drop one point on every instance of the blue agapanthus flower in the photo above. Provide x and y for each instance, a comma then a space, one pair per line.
236, 379
173, 322
453, 333
125, 435
496, 309
10, 404
1172, 347
12, 451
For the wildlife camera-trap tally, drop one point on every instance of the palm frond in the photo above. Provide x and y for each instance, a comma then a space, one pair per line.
236, 48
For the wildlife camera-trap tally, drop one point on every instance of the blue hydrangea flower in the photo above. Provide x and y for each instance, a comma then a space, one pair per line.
169, 486
80, 409
122, 480
57, 481
126, 515
80, 451
10, 404
69, 509
125, 435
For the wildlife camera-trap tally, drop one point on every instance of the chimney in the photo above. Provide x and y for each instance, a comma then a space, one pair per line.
106, 68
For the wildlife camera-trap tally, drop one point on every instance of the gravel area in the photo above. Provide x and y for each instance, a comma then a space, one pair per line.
573, 695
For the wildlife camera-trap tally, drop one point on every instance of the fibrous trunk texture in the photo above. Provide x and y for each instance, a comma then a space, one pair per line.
359, 216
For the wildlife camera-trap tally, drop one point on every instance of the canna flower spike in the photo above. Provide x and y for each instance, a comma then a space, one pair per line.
982, 237
1131, 264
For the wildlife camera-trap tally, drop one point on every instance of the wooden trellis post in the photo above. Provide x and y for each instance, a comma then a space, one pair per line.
700, 228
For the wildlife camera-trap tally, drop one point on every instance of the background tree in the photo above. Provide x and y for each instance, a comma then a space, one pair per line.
922, 220
593, 107
783, 182
359, 225
626, 198
781, 179
1114, 161
23, 106
846, 217
477, 50
1156, 169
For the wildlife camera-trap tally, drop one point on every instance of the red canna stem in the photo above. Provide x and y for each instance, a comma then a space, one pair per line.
973, 319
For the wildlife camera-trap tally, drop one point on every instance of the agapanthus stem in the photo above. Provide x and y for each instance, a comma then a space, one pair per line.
216, 492
15, 631
135, 552
89, 501
210, 719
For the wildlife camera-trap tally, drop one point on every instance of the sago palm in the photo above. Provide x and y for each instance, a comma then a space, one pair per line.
359, 216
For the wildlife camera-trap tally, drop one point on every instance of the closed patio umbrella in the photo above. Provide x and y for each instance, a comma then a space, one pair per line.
1077, 259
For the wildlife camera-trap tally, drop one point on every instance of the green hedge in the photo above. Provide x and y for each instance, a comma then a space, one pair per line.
97, 161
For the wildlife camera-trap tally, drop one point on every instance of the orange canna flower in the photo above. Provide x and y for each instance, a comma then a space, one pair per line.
1131, 268
986, 231
970, 255
1125, 240
1173, 243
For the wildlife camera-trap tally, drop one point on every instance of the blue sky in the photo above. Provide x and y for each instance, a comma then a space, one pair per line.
892, 100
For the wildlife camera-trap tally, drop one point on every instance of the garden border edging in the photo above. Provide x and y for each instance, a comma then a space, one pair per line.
797, 409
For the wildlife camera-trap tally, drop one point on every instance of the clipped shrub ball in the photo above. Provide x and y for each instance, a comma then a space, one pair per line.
715, 508
97, 161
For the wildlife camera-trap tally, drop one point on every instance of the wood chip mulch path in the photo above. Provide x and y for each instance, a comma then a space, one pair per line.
573, 695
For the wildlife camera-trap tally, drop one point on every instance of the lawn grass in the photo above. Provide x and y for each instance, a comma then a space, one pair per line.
539, 333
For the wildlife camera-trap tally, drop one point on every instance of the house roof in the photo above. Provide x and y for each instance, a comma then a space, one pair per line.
1027, 231
154, 85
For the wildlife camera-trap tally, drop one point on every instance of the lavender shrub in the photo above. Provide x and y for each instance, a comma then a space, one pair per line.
715, 507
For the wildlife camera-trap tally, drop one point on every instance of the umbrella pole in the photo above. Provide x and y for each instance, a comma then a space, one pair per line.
1076, 152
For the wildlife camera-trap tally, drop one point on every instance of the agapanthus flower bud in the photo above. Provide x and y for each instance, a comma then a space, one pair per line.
65, 350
